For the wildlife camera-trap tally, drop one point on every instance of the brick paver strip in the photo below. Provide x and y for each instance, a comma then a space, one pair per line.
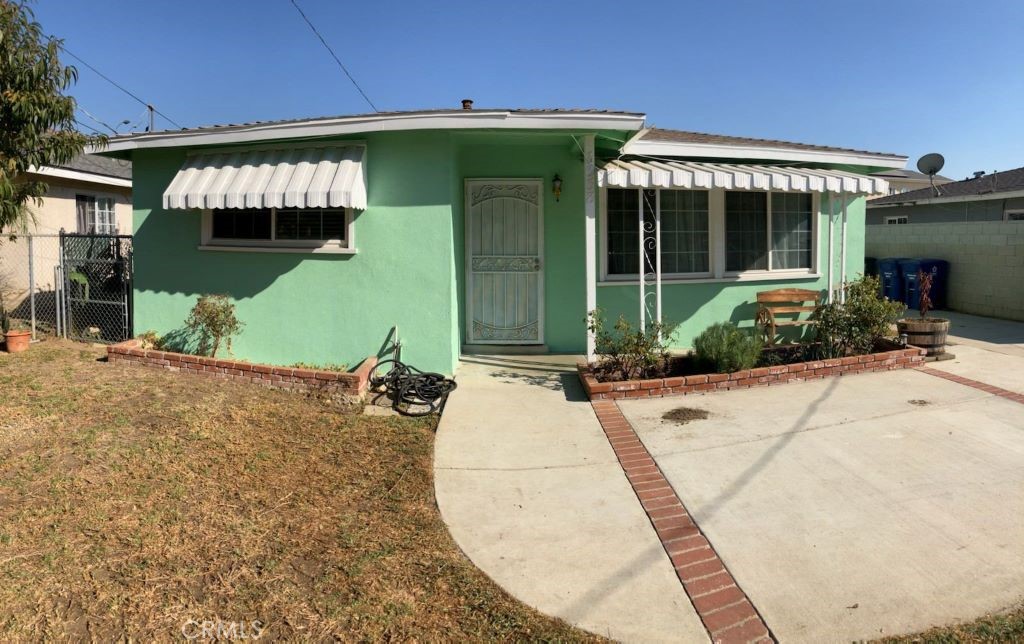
987, 388
726, 611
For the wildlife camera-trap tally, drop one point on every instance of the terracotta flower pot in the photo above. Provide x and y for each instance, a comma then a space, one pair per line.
17, 341
929, 333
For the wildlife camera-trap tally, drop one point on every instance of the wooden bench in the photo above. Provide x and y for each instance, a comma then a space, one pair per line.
770, 304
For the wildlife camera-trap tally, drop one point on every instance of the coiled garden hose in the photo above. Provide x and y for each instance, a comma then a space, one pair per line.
412, 392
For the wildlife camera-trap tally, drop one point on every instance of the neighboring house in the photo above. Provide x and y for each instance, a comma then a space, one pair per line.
994, 197
480, 228
89, 194
901, 180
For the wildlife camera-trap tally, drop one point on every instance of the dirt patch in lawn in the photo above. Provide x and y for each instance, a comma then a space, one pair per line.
683, 415
133, 501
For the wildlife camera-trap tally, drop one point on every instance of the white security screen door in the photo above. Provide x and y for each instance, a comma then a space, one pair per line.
504, 248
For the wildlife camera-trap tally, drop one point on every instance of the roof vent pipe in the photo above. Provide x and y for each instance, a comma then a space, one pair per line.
467, 103
979, 174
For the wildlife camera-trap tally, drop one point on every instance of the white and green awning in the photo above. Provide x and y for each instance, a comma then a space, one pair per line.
310, 177
694, 175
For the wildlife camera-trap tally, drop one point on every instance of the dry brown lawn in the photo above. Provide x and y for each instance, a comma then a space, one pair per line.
134, 500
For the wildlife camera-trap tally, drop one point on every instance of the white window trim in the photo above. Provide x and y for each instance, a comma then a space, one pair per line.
894, 219
1013, 211
770, 272
716, 241
94, 224
336, 246
632, 277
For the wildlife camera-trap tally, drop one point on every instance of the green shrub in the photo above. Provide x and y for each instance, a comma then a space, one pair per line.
724, 348
213, 320
627, 353
150, 340
855, 327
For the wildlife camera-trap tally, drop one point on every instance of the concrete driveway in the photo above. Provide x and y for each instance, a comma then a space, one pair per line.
856, 507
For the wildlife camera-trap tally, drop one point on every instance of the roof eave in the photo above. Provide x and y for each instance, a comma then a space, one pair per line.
471, 119
765, 153
78, 175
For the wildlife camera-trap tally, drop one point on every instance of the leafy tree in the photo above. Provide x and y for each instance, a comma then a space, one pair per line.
36, 118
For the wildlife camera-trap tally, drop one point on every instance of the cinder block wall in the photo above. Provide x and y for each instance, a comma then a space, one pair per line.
986, 261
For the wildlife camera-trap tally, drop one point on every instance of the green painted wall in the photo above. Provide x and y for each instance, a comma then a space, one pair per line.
696, 306
308, 308
535, 156
410, 268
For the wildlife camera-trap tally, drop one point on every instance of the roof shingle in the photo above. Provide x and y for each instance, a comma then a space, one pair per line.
1006, 181
682, 136
95, 164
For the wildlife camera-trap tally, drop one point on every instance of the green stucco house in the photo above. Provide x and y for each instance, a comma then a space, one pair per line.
480, 229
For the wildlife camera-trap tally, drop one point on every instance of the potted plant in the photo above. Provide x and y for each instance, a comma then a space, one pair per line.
16, 335
925, 332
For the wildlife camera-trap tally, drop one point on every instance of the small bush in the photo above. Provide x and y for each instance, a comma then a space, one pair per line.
724, 348
150, 340
213, 320
855, 327
627, 353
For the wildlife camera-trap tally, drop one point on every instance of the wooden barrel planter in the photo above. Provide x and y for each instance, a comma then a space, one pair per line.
928, 334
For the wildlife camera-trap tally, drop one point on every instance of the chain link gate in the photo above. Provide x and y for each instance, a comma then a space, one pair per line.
95, 301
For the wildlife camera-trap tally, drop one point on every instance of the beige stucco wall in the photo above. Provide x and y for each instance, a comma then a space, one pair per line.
986, 261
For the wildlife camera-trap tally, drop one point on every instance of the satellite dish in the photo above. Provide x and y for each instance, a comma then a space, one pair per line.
930, 164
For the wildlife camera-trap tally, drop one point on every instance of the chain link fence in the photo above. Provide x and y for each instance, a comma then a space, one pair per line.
73, 286
30, 280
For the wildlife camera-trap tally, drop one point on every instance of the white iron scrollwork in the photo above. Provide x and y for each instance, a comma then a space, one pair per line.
484, 331
495, 191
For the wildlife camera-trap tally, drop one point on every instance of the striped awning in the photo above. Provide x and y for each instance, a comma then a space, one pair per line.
686, 174
311, 177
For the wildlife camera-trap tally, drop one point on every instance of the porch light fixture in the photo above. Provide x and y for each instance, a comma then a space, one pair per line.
556, 186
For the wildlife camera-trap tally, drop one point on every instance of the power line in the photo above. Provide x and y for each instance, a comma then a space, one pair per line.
115, 84
86, 112
335, 56
88, 127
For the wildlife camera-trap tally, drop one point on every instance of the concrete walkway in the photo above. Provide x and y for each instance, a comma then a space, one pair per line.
855, 507
533, 494
986, 349
985, 333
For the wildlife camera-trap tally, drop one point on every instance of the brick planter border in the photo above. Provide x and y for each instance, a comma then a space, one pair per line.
350, 385
910, 357
725, 609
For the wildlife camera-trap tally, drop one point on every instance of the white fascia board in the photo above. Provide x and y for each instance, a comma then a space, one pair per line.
988, 196
718, 151
75, 175
391, 123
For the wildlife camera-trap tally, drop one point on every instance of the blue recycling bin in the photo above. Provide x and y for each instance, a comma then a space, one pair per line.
939, 268
890, 279
911, 293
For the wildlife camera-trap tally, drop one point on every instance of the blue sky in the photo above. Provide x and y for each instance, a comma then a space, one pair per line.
893, 76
